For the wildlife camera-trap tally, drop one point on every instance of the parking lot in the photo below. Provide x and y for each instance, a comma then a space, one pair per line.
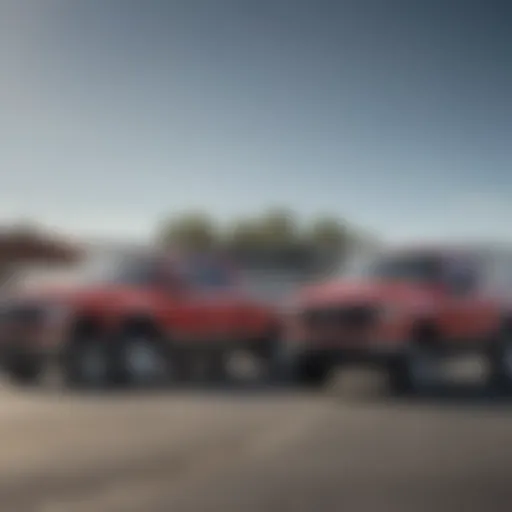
253, 450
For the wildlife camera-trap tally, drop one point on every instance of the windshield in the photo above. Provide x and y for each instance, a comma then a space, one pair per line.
417, 268
205, 273
130, 271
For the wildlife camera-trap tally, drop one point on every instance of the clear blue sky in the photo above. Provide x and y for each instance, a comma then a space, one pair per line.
396, 115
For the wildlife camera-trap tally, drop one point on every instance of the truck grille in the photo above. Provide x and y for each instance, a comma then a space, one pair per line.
352, 317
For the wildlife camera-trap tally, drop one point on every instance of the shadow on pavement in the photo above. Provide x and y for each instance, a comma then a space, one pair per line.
472, 396
462, 395
449, 395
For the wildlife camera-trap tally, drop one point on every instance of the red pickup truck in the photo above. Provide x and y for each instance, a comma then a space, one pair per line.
404, 311
133, 320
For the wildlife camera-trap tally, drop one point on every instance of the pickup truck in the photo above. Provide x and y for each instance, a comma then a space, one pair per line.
403, 311
133, 320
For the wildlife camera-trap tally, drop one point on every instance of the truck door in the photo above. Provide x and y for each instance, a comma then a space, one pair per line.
210, 301
468, 313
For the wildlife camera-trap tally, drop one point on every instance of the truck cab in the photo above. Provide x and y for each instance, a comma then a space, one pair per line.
134, 318
403, 309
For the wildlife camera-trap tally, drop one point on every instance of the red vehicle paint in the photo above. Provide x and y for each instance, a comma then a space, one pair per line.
405, 310
158, 310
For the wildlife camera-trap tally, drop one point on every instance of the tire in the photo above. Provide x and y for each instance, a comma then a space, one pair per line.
270, 355
24, 371
311, 372
500, 361
413, 372
140, 359
266, 355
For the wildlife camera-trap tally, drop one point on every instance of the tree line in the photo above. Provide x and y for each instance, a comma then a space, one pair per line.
276, 234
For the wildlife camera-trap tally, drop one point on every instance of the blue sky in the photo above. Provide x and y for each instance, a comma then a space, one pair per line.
394, 115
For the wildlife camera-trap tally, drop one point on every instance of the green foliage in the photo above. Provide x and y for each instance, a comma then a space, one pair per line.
193, 230
329, 232
277, 230
244, 234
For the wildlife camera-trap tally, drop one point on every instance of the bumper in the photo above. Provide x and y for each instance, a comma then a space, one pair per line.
335, 355
17, 352
25, 346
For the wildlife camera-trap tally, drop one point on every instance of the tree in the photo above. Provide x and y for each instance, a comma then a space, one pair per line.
25, 243
244, 235
194, 230
329, 233
275, 236
278, 229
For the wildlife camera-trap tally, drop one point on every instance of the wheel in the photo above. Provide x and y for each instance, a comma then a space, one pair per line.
310, 371
270, 358
500, 359
414, 371
24, 371
139, 359
278, 369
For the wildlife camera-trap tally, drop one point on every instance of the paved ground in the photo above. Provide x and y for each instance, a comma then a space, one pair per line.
193, 450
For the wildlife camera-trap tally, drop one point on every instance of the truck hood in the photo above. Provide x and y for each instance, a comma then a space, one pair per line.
112, 296
75, 295
362, 292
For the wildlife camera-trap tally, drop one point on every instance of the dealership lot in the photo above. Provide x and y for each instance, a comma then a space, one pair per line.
253, 449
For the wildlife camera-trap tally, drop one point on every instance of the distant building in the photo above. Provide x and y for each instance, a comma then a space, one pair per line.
19, 247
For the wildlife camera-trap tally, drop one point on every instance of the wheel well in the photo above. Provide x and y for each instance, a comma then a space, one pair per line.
82, 329
85, 325
506, 322
139, 323
426, 332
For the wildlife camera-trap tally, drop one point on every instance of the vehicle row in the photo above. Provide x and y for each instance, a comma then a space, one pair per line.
151, 318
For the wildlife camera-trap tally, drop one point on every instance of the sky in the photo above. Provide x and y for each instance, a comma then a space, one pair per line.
396, 115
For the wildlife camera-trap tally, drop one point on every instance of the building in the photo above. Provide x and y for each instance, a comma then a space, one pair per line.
20, 247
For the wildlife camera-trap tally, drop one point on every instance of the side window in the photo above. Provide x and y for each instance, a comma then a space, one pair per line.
499, 275
205, 274
211, 276
462, 274
170, 277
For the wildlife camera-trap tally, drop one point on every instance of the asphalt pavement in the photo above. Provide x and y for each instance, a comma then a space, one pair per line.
253, 449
